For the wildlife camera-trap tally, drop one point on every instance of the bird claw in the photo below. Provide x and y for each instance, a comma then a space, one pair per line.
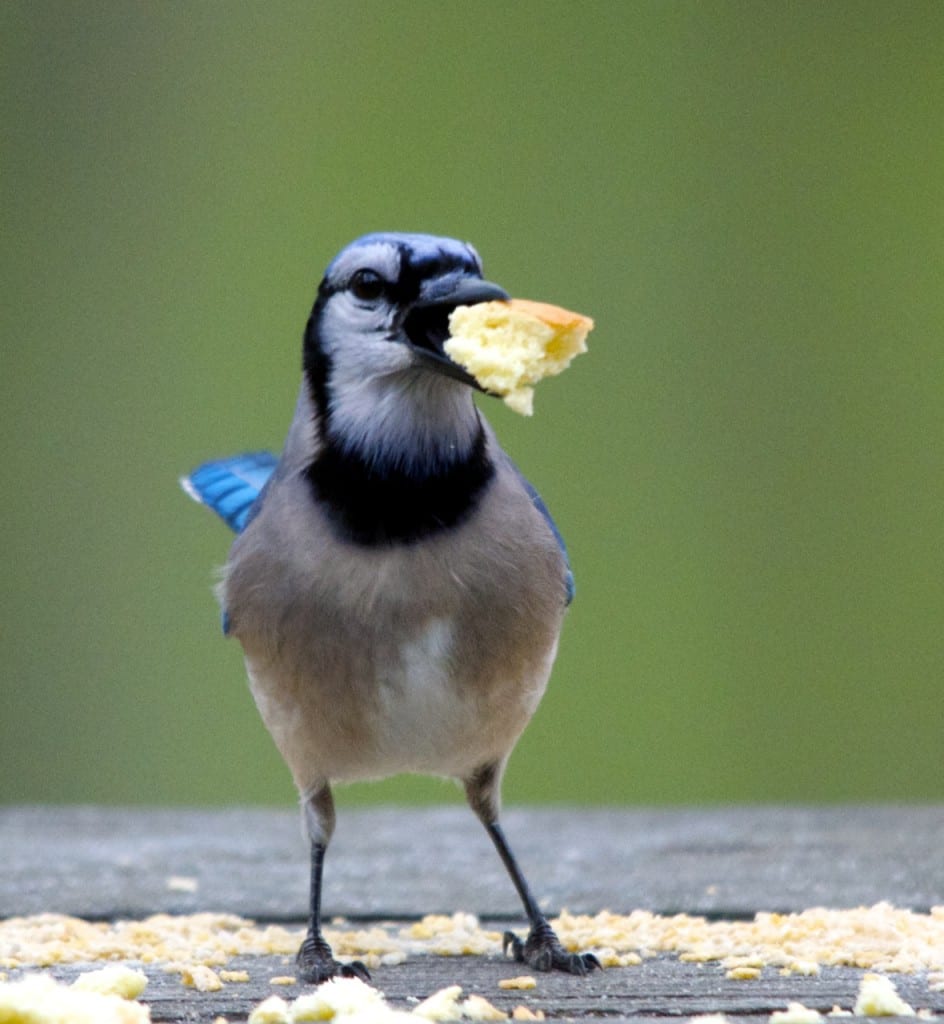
316, 963
542, 951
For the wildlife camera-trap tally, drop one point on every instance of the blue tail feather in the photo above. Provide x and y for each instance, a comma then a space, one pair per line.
233, 487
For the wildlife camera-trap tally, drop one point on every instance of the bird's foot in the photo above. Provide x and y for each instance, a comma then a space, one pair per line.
316, 963
542, 951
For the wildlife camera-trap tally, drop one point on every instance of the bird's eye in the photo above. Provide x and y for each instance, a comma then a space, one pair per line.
367, 285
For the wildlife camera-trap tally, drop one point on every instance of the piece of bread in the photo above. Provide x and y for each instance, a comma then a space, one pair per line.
509, 346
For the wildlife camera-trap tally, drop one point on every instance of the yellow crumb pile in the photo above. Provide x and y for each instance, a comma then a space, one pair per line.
881, 937
877, 997
351, 1001
209, 940
98, 997
796, 1013
509, 346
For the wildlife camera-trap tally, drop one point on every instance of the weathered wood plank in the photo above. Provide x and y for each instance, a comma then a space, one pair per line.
399, 864
658, 988
402, 863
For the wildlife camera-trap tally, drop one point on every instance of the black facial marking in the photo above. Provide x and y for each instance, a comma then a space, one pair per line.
374, 505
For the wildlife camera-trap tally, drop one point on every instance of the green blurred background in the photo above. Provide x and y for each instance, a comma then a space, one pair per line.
749, 199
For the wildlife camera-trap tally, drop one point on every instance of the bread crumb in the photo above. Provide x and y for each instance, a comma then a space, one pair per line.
796, 1013
340, 997
283, 979
479, 1008
878, 997
115, 979
525, 1013
525, 981
273, 1010
878, 938
743, 973
838, 1011
230, 976
509, 346
39, 999
808, 968
709, 1018
441, 1005
201, 977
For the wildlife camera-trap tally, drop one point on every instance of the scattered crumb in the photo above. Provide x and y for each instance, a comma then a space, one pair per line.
878, 938
115, 979
230, 976
39, 999
479, 1008
838, 1011
608, 957
523, 982
796, 1013
340, 997
709, 1018
808, 968
284, 979
743, 973
441, 1005
182, 883
524, 1013
878, 997
926, 1015
273, 1010
202, 978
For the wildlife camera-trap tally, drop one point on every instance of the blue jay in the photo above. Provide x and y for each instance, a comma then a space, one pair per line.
397, 586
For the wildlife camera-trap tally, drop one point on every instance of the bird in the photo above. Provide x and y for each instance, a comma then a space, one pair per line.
398, 587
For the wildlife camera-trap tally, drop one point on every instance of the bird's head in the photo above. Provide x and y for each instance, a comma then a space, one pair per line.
374, 354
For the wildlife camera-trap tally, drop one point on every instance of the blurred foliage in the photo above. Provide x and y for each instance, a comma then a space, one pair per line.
747, 466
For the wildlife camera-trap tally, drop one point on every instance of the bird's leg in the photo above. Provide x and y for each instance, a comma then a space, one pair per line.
542, 949
315, 961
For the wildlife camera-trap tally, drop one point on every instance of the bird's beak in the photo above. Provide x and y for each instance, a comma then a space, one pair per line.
427, 323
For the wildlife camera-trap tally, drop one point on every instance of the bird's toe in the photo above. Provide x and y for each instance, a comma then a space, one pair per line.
316, 963
542, 951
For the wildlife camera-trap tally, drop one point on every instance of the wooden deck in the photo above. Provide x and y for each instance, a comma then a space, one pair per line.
396, 865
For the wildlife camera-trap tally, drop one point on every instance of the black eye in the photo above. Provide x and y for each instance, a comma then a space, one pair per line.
367, 285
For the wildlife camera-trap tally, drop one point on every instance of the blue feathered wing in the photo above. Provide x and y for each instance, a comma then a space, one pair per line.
234, 488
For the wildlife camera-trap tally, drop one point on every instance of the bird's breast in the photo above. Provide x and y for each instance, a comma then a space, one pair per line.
424, 658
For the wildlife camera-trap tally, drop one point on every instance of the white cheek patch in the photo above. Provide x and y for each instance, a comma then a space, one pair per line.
380, 403
411, 423
345, 320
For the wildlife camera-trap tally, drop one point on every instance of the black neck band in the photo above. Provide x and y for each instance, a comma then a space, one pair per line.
371, 505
